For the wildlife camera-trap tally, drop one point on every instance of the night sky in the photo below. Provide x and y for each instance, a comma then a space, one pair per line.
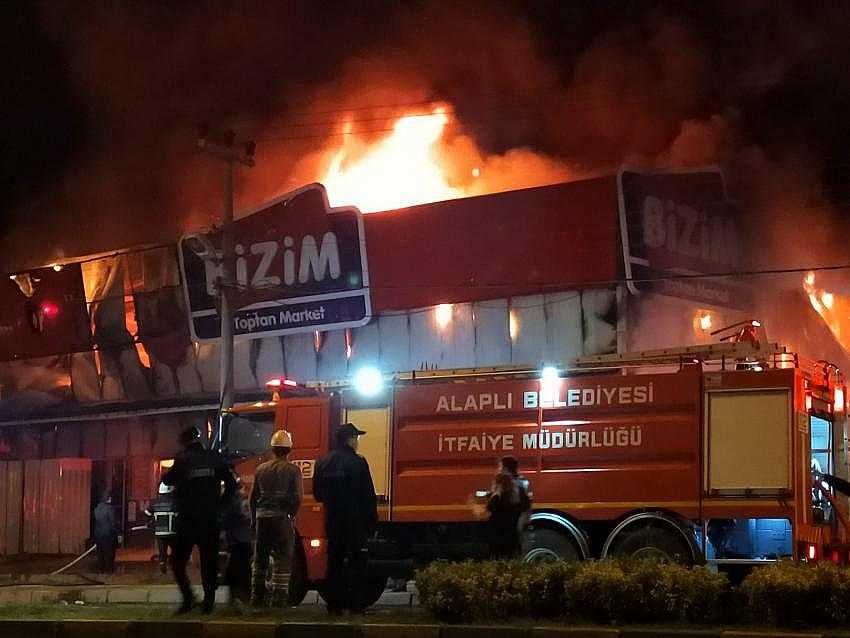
102, 99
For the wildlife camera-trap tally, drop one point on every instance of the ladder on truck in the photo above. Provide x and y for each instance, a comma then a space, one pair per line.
769, 354
723, 353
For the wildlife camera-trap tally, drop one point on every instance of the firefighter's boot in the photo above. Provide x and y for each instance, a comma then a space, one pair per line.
280, 586
258, 586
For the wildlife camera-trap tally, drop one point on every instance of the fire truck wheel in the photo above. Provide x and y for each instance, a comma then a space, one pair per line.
547, 545
370, 592
652, 542
299, 584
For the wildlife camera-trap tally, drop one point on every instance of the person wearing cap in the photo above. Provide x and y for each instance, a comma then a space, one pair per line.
343, 483
197, 476
275, 500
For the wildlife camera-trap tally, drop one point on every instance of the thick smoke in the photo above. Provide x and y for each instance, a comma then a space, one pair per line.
538, 94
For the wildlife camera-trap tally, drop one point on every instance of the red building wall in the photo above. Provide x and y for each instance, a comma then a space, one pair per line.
515, 243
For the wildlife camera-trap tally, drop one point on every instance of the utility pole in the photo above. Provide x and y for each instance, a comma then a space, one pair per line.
222, 145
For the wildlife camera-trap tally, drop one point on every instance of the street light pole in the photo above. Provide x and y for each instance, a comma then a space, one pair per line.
228, 268
222, 145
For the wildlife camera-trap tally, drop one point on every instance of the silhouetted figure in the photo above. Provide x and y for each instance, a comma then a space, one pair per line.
236, 523
197, 475
105, 534
343, 483
506, 505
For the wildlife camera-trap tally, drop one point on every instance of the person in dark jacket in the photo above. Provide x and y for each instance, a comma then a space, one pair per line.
105, 534
343, 483
506, 505
236, 523
509, 465
197, 475
275, 500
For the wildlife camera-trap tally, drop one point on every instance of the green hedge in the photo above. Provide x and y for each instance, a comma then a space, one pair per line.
605, 591
795, 594
614, 592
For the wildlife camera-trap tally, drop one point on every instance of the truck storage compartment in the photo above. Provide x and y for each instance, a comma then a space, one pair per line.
748, 442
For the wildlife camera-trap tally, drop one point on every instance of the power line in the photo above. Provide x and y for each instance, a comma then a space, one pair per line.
500, 98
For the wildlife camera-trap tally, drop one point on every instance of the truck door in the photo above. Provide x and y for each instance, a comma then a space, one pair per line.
822, 460
748, 443
375, 445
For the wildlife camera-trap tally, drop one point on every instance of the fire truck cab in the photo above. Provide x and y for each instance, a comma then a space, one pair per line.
697, 454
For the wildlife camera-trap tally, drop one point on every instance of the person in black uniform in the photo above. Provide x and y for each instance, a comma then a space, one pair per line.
197, 475
343, 483
163, 515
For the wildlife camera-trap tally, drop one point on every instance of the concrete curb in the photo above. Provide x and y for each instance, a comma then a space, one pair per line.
475, 631
238, 629
163, 629
317, 630
400, 631
29, 628
574, 632
93, 629
159, 594
671, 633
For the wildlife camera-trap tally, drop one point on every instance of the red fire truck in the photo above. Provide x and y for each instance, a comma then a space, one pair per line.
693, 454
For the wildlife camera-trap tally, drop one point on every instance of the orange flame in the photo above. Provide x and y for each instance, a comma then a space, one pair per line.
401, 170
833, 308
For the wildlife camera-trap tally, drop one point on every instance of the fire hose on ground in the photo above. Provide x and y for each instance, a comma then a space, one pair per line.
86, 553
75, 561
89, 581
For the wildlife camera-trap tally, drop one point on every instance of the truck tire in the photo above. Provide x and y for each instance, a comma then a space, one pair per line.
652, 541
299, 584
547, 545
370, 592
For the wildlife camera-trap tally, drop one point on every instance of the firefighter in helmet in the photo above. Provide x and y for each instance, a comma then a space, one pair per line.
275, 500
163, 514
197, 476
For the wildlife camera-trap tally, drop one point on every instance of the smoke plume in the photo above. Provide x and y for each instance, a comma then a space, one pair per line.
537, 95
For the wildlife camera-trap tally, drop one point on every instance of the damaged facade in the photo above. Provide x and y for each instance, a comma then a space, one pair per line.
98, 363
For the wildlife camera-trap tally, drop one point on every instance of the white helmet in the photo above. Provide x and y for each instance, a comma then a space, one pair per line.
165, 489
281, 438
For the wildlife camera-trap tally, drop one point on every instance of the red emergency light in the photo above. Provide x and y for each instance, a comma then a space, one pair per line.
49, 310
278, 382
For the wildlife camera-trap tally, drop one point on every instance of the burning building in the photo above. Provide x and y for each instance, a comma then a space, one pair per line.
99, 364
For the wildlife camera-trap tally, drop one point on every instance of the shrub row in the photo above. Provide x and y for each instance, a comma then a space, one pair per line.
797, 594
614, 592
